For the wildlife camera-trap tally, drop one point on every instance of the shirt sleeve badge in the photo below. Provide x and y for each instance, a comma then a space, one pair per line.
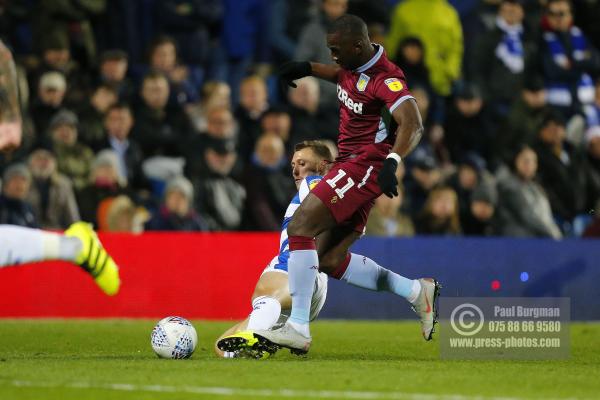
394, 84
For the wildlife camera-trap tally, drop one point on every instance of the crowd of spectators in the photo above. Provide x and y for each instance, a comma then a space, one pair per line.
168, 115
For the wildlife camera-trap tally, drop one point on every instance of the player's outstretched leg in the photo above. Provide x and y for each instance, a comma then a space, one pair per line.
425, 305
94, 259
365, 273
266, 311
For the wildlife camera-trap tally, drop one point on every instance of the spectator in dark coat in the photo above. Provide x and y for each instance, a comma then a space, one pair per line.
562, 172
523, 121
14, 208
91, 116
118, 123
481, 216
466, 128
68, 21
470, 174
51, 196
112, 71
220, 125
73, 157
253, 103
51, 94
268, 184
176, 213
307, 122
104, 182
159, 129
219, 198
499, 59
277, 120
423, 176
304, 102
56, 56
411, 59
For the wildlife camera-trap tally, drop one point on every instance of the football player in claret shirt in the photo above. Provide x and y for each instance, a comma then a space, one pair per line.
379, 124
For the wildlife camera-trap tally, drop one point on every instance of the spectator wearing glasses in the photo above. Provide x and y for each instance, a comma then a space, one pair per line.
565, 59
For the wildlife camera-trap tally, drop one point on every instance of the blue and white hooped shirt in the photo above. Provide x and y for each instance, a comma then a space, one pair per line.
284, 248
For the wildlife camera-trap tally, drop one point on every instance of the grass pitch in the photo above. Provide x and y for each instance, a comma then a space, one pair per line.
112, 359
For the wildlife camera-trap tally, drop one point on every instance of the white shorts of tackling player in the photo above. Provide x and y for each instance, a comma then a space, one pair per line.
318, 299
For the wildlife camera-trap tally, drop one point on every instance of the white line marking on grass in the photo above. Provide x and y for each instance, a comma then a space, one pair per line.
278, 393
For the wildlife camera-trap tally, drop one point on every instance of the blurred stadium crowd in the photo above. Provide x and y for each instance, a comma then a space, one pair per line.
167, 115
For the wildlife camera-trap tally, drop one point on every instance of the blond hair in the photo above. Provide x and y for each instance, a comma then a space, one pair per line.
437, 193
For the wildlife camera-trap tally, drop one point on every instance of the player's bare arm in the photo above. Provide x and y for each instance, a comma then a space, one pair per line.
10, 115
410, 127
408, 134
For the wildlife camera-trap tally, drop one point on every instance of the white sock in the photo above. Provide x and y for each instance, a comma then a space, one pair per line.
24, 245
303, 266
366, 273
265, 313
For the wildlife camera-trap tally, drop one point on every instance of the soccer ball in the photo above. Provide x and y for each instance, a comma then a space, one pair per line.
174, 337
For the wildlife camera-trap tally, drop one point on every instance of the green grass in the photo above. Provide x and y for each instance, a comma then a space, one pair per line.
75, 359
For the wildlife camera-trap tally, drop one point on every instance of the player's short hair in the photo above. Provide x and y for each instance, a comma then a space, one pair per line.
318, 147
349, 25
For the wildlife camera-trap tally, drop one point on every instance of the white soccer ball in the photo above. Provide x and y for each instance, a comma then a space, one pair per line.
174, 337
